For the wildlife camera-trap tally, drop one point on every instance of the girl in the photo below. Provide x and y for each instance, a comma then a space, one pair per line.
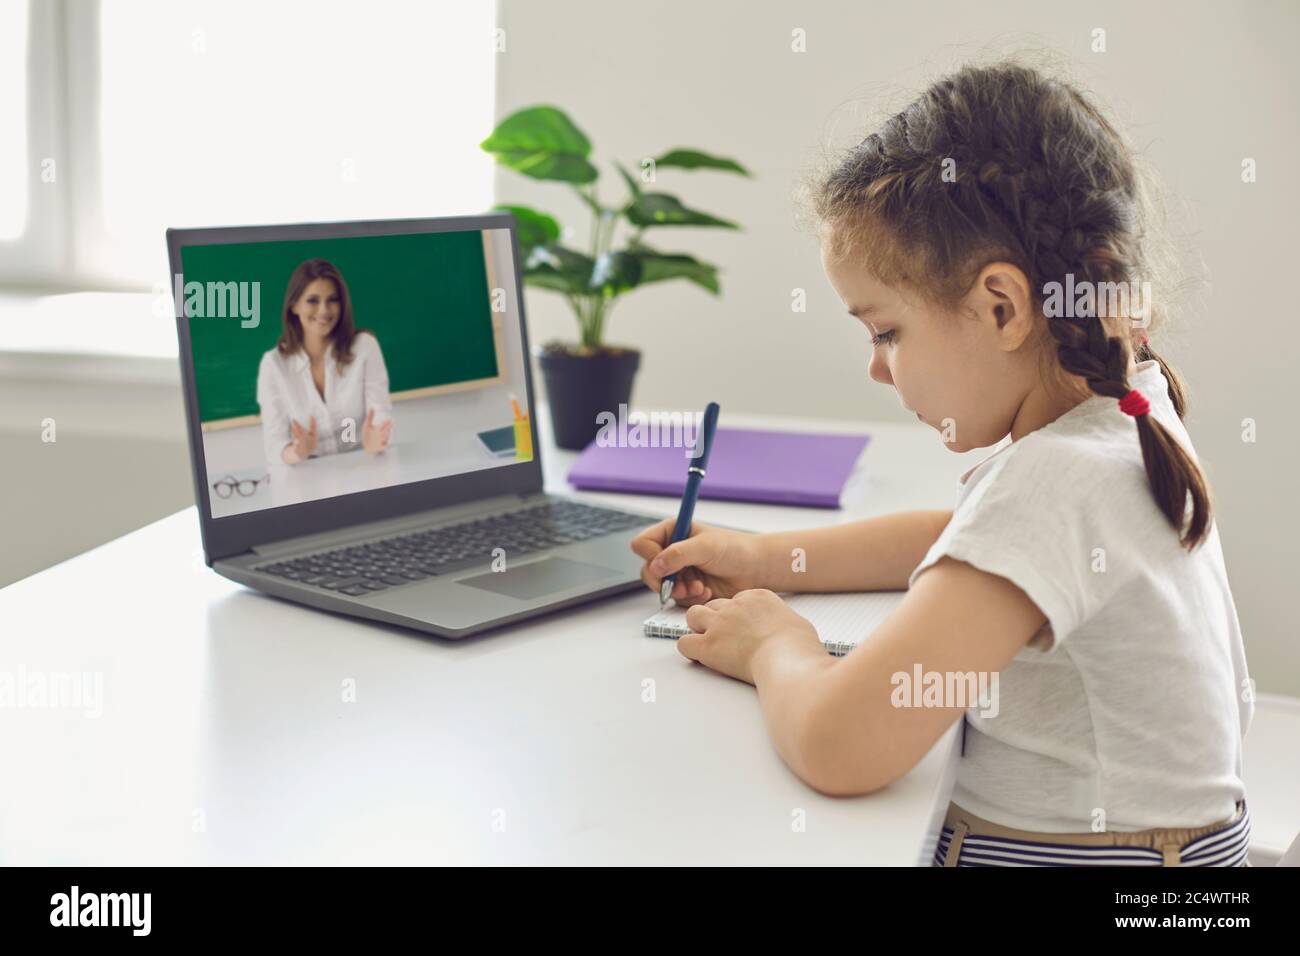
1081, 564
317, 396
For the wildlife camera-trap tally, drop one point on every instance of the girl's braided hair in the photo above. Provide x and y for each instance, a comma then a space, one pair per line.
1004, 163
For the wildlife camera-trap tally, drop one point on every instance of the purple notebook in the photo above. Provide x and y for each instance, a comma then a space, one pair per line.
786, 468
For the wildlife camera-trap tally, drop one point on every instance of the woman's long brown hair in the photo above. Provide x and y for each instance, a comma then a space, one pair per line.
344, 332
1004, 163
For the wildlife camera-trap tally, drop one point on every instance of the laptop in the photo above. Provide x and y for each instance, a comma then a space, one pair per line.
362, 486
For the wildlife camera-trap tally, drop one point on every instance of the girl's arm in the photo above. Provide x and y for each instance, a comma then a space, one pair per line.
834, 722
876, 554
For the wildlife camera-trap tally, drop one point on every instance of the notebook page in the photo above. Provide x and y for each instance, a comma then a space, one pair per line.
842, 620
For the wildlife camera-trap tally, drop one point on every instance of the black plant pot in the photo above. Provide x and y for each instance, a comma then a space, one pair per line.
580, 387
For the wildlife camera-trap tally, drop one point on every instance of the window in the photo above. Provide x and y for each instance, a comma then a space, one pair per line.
13, 120
198, 113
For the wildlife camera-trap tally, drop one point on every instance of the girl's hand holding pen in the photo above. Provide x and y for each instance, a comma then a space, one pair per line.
710, 562
720, 577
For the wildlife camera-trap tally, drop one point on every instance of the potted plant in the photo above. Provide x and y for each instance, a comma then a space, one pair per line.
591, 376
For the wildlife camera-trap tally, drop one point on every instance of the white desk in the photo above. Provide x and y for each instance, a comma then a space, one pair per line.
224, 737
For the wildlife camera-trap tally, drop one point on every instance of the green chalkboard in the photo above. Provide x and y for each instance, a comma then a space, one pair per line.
425, 297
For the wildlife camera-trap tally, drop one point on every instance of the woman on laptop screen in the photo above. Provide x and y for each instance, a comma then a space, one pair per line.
323, 389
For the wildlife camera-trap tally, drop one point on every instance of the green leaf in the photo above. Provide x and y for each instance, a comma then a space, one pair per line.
661, 209
616, 273
542, 142
538, 128
661, 266
694, 159
547, 278
550, 166
555, 267
534, 228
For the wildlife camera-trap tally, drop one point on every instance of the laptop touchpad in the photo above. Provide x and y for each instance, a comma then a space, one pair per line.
527, 581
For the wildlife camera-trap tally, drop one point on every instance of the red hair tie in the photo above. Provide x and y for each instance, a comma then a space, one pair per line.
1134, 403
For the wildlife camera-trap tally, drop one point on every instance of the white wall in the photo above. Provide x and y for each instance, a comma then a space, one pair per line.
1198, 86
118, 461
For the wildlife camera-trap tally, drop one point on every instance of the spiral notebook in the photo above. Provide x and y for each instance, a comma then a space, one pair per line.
843, 621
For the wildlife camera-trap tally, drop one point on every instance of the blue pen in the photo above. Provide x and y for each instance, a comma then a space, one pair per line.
694, 475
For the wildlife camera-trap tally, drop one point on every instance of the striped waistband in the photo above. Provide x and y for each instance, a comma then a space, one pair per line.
1224, 847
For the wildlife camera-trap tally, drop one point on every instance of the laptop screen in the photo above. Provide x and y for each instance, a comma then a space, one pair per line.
331, 366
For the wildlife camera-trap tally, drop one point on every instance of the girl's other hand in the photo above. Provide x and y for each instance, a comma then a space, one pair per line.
728, 633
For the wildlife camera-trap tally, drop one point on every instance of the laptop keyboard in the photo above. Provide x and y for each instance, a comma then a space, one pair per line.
374, 566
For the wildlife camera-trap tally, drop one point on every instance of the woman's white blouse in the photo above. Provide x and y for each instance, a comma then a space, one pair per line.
285, 391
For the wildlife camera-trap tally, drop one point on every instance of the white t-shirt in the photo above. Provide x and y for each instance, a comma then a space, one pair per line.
285, 390
1132, 699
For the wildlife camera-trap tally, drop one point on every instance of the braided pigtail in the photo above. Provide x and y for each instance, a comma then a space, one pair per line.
1003, 163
